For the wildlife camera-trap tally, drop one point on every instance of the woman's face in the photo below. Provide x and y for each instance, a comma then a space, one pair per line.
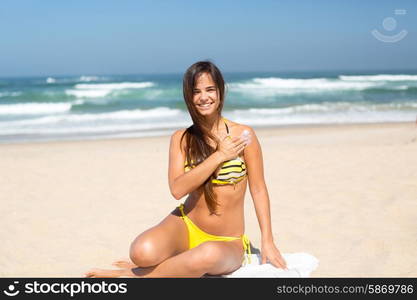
205, 96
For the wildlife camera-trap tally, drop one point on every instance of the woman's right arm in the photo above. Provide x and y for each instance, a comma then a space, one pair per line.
182, 183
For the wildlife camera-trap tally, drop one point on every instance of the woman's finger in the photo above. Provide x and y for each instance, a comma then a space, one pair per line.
240, 149
242, 145
282, 263
239, 143
275, 263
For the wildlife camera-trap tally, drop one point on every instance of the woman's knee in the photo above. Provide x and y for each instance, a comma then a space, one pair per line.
143, 253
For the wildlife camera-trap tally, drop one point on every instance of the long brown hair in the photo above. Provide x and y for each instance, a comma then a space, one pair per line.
198, 135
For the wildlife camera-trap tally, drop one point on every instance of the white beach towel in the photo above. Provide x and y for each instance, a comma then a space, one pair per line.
298, 264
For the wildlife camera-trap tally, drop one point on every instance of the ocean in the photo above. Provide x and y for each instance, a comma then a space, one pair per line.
116, 106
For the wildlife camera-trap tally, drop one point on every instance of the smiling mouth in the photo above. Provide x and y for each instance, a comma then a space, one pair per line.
206, 105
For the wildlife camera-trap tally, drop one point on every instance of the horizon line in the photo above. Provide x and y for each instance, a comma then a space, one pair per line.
224, 72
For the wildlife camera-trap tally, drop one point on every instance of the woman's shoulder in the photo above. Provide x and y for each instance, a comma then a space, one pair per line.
238, 128
176, 139
177, 134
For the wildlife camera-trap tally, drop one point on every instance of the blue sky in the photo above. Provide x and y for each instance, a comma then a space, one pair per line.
45, 37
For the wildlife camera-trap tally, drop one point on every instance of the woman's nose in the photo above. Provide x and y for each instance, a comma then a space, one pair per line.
203, 95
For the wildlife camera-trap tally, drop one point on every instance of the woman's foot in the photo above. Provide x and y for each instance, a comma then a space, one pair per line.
124, 264
103, 273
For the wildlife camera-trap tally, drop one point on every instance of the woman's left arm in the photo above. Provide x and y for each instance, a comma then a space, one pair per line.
259, 193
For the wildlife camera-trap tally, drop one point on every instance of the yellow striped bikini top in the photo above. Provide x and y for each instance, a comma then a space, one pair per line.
231, 171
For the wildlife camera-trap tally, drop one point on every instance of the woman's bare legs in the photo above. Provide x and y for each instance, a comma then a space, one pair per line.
162, 251
153, 246
212, 258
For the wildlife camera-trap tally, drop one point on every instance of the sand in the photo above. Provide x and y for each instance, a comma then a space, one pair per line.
346, 194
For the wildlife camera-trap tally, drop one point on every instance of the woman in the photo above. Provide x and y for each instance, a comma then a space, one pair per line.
211, 161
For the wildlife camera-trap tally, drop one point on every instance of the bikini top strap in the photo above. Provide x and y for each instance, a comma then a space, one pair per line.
227, 127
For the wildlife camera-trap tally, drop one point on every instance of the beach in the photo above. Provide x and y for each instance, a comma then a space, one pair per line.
343, 193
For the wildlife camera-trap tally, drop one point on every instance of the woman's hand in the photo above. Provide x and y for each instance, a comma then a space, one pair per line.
230, 148
271, 253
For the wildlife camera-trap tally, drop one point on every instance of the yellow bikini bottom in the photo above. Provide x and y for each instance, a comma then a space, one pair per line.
197, 236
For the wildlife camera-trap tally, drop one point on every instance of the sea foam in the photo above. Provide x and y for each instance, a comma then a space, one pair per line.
276, 85
34, 108
160, 113
97, 90
379, 77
